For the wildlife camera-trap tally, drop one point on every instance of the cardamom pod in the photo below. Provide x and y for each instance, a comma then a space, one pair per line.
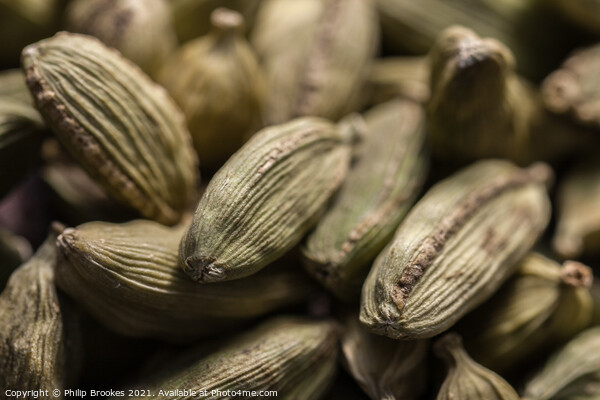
595, 293
466, 379
14, 251
122, 128
542, 306
412, 26
323, 73
127, 276
391, 77
376, 195
578, 221
455, 248
265, 198
293, 356
141, 30
572, 373
218, 83
39, 338
384, 368
191, 18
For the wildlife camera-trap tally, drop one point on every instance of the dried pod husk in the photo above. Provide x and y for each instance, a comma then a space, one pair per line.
39, 339
528, 27
572, 373
406, 77
574, 89
467, 379
384, 368
218, 83
265, 198
22, 132
294, 356
542, 306
376, 195
324, 72
141, 30
128, 277
578, 216
191, 18
14, 251
584, 13
23, 22
124, 130
455, 248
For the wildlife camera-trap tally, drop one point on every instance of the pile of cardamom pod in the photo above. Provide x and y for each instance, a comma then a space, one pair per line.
300, 199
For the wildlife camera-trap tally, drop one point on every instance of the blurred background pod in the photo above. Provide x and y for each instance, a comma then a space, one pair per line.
541, 307
220, 87
578, 211
191, 18
141, 30
323, 73
14, 251
384, 368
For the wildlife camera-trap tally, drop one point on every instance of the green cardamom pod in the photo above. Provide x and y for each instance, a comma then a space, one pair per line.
376, 195
14, 251
412, 26
406, 77
141, 30
191, 18
384, 368
123, 129
578, 220
324, 72
455, 248
293, 356
542, 306
572, 373
128, 277
265, 198
466, 379
218, 83
39, 339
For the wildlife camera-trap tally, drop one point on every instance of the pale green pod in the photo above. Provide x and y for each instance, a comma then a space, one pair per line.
39, 339
578, 227
124, 130
406, 77
528, 27
218, 83
296, 357
384, 368
265, 198
457, 245
141, 30
191, 18
467, 380
572, 373
378, 192
542, 306
128, 277
316, 55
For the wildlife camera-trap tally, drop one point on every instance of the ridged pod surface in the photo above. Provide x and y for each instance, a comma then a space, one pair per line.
377, 193
128, 277
457, 245
294, 356
542, 306
123, 129
467, 380
40, 332
324, 71
265, 198
384, 368
572, 373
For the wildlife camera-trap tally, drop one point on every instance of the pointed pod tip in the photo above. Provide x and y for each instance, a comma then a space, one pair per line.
204, 270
